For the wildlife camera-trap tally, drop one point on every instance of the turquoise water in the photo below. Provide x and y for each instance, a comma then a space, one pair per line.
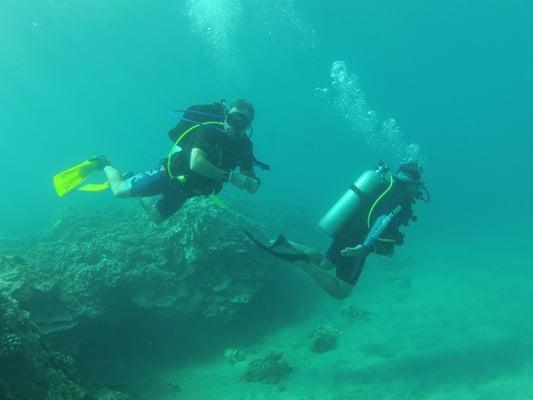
337, 86
84, 78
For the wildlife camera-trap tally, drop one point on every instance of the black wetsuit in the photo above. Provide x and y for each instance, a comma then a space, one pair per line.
222, 150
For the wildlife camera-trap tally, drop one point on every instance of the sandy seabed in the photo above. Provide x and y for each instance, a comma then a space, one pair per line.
454, 325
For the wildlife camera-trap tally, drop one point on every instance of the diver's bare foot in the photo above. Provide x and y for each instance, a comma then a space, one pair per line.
279, 241
101, 162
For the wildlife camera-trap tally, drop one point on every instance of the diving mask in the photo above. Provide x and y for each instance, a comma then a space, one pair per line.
238, 121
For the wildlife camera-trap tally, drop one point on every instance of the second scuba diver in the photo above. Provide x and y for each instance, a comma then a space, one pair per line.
210, 142
366, 219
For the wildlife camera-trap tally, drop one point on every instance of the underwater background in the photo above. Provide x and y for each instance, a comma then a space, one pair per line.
337, 86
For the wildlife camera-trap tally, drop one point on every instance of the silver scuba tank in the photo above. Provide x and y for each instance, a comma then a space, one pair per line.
356, 199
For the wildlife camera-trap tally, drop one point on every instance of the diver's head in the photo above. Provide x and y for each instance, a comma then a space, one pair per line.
410, 172
409, 177
239, 118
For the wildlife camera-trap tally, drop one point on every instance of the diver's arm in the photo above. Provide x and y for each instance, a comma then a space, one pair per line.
357, 251
253, 181
200, 164
370, 243
379, 227
249, 172
251, 185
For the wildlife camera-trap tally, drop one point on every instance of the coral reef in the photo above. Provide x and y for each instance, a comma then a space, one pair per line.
234, 355
28, 370
355, 313
270, 368
324, 338
86, 266
108, 394
85, 281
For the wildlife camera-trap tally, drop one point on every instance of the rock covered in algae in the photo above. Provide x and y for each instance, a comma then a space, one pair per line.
108, 394
91, 264
28, 370
234, 355
324, 338
355, 313
270, 368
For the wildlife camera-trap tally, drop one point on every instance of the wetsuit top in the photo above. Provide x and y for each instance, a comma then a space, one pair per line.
393, 230
224, 151
356, 232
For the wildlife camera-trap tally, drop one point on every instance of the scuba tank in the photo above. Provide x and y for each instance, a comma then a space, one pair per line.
354, 201
194, 115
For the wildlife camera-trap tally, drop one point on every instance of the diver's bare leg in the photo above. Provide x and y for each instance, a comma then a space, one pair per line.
299, 248
314, 256
117, 184
330, 284
153, 212
120, 188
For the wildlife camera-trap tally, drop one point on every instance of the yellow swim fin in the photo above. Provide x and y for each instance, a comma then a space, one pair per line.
68, 180
94, 187
100, 187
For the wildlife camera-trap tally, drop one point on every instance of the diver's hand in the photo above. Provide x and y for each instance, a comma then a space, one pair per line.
352, 252
244, 182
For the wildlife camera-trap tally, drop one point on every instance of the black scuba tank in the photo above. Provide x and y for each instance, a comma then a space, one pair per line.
198, 114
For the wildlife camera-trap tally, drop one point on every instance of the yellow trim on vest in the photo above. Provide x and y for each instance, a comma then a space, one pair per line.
391, 182
181, 178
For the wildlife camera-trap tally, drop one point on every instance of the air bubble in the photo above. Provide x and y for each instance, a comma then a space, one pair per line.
347, 98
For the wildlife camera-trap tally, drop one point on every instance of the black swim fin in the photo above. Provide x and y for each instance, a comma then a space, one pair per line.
292, 257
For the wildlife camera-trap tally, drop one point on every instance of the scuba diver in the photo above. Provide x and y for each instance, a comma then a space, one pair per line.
366, 219
209, 143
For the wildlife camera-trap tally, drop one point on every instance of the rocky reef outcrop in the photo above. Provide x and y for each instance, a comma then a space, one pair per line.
59, 290
28, 369
271, 367
90, 264
324, 338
